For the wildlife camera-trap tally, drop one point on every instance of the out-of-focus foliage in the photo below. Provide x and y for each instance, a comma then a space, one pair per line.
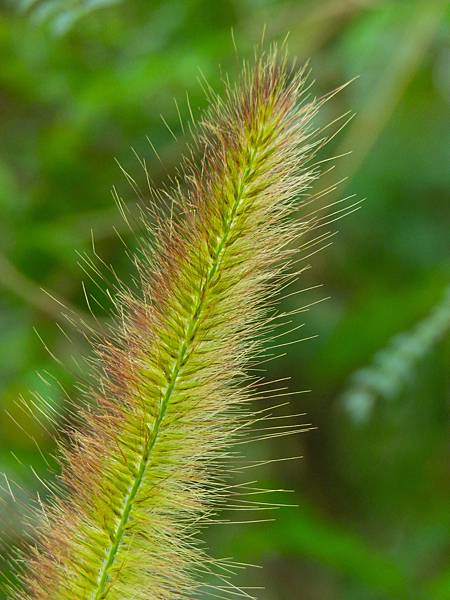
61, 15
395, 365
82, 83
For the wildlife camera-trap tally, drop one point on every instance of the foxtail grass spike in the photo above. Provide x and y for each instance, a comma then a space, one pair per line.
147, 470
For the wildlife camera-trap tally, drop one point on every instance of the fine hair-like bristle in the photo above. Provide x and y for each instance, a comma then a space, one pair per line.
148, 467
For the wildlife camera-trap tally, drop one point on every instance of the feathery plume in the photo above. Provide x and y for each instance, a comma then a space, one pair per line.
148, 468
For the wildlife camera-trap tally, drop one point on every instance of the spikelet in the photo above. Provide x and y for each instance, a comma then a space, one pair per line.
148, 468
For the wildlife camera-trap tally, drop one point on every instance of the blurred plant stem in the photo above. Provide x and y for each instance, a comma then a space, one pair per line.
318, 22
363, 133
48, 303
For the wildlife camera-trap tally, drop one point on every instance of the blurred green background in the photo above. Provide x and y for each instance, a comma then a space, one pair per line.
83, 82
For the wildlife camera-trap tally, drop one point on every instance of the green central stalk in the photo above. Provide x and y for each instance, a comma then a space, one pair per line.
246, 176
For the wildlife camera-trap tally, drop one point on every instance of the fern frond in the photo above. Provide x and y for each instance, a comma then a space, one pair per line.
395, 365
148, 468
